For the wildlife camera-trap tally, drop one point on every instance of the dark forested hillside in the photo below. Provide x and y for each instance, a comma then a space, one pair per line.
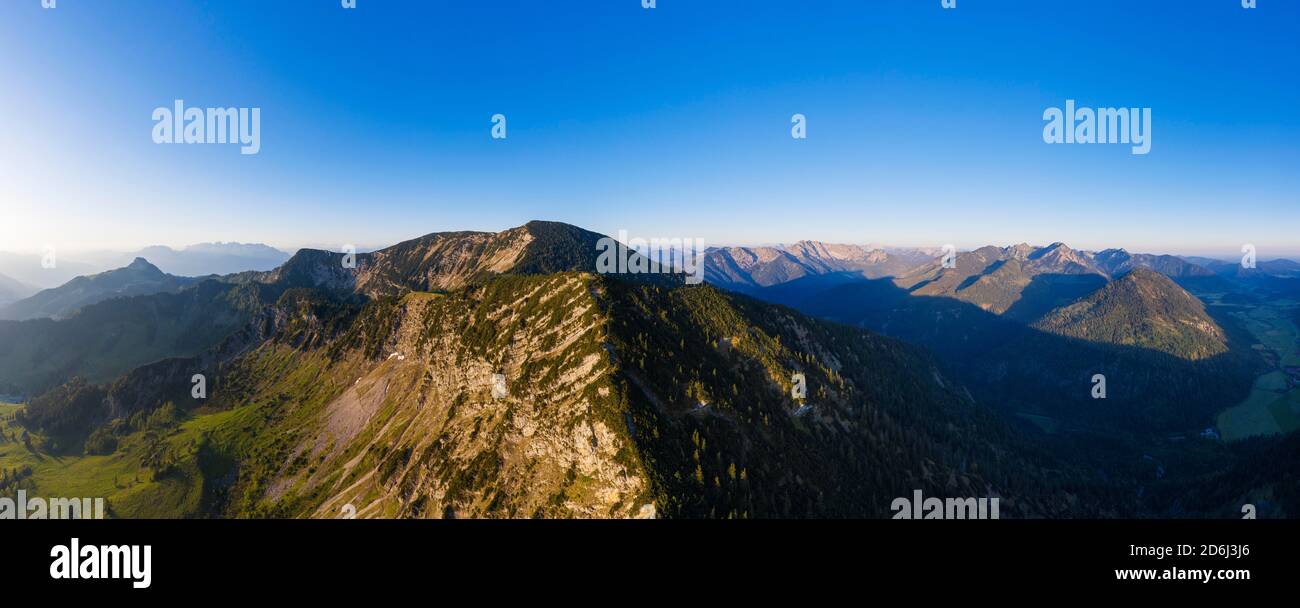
1023, 370
710, 377
108, 339
1143, 308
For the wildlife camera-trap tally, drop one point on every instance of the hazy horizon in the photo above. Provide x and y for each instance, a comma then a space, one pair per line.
1226, 253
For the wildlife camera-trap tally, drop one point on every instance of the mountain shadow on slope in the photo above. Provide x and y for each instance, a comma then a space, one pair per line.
1026, 371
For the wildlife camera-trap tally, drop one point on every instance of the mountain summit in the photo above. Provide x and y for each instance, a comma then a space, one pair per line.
143, 268
445, 261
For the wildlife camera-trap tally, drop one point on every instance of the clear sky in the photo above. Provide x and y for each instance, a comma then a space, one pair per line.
924, 124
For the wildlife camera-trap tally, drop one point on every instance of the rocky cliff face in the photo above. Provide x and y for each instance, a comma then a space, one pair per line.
411, 421
424, 432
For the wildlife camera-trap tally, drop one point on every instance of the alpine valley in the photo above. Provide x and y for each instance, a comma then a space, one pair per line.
478, 374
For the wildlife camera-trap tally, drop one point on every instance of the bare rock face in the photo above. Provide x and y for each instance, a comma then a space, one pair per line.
420, 433
442, 262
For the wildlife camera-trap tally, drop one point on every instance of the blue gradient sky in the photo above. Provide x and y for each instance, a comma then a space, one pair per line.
924, 124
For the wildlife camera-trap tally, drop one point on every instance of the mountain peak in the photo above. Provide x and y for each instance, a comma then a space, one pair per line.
1057, 248
143, 264
1060, 258
139, 267
1021, 251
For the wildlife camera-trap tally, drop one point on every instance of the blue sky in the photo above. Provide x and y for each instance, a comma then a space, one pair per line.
924, 124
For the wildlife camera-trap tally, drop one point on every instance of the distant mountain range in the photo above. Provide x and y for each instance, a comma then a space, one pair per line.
1021, 281
1024, 281
204, 259
1019, 322
138, 278
199, 260
1274, 268
1116, 262
744, 268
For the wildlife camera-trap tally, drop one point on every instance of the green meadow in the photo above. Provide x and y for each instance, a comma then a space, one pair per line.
121, 478
1271, 407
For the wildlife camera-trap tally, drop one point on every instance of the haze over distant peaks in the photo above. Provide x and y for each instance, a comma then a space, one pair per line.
757, 267
29, 269
138, 278
1118, 261
204, 259
1025, 281
12, 289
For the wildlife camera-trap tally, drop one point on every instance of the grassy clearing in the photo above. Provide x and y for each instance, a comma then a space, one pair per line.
131, 489
174, 469
1271, 408
1274, 382
1251, 417
1286, 411
1273, 327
